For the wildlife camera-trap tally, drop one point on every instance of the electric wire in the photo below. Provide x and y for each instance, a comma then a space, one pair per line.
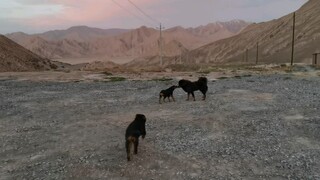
139, 9
130, 12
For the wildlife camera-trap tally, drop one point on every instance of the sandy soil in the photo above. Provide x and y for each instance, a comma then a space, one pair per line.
90, 60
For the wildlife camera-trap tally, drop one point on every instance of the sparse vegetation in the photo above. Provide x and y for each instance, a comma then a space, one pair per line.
53, 66
162, 79
288, 70
317, 67
210, 69
107, 73
223, 77
287, 78
115, 79
185, 67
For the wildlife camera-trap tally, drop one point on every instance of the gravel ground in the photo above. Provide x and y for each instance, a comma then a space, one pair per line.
258, 127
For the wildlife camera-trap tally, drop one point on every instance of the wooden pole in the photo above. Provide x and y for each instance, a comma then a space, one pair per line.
257, 58
247, 55
161, 63
293, 37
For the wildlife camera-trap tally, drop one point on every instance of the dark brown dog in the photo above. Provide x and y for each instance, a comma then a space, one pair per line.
190, 87
136, 129
167, 94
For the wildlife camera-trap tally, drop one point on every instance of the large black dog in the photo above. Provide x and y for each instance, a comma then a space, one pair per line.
190, 87
167, 93
136, 129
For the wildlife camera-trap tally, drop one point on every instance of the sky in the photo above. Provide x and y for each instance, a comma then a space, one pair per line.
36, 16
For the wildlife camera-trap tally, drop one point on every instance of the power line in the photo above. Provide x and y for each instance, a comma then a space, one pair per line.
155, 21
130, 12
139, 9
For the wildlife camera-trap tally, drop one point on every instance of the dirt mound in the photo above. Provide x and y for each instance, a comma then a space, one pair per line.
14, 57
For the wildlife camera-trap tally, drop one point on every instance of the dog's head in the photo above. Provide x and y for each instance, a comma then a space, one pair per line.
203, 80
140, 118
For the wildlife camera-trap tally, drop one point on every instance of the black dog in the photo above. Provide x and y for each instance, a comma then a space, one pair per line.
167, 94
136, 129
190, 87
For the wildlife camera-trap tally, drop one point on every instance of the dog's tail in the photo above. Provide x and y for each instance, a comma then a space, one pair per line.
203, 80
129, 143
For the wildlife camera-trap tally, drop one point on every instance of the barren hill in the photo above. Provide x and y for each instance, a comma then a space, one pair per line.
274, 39
78, 33
83, 41
14, 57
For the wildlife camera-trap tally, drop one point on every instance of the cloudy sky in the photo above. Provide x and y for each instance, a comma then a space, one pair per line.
33, 16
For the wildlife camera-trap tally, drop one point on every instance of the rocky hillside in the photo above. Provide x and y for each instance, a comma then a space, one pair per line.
14, 57
77, 33
274, 39
92, 42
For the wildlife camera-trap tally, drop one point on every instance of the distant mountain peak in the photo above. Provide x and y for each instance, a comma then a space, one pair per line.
79, 27
84, 41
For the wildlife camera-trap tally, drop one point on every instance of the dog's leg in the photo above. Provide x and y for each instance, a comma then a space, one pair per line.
173, 99
169, 99
204, 91
161, 96
128, 145
194, 99
204, 97
136, 143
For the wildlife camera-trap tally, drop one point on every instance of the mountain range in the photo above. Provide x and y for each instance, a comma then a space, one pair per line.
87, 42
272, 39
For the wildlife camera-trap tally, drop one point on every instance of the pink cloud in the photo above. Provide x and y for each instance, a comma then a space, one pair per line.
84, 11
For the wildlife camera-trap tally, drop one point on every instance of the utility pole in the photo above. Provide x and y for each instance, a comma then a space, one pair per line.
293, 36
257, 58
247, 54
132, 54
161, 61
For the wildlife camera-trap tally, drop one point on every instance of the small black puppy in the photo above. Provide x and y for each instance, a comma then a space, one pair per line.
190, 87
136, 129
167, 94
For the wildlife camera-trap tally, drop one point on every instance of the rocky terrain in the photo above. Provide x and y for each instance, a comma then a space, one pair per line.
14, 57
250, 127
